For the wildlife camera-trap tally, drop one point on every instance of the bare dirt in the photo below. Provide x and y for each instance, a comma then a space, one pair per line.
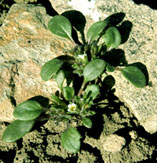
116, 137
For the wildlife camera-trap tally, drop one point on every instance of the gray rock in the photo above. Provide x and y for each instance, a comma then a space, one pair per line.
140, 47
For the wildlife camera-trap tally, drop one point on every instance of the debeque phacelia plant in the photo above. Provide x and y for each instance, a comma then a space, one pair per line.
80, 76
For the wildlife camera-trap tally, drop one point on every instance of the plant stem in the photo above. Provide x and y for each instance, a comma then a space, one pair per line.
83, 37
82, 87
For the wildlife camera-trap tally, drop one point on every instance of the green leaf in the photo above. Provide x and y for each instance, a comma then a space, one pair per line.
58, 103
135, 76
76, 18
93, 90
61, 26
112, 38
50, 68
70, 140
68, 93
55, 99
93, 69
109, 68
60, 78
28, 110
87, 122
17, 130
95, 30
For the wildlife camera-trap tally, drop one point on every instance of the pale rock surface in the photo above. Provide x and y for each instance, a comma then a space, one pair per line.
25, 45
140, 47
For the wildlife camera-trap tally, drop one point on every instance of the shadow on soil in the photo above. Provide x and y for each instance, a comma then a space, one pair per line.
7, 156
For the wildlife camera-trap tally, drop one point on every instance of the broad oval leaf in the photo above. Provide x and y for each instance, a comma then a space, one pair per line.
68, 93
112, 38
50, 68
93, 90
70, 140
95, 30
87, 122
135, 76
61, 26
17, 130
93, 69
28, 110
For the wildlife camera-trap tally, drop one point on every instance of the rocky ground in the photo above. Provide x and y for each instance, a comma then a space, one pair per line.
118, 136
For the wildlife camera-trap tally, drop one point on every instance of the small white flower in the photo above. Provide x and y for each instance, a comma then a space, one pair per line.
72, 107
82, 57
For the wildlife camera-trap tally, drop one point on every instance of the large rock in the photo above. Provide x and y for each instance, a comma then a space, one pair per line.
140, 47
25, 45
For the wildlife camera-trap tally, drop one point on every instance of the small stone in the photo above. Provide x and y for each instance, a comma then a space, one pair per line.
113, 143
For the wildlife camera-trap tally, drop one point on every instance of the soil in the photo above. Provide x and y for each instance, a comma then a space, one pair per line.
116, 137
42, 144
